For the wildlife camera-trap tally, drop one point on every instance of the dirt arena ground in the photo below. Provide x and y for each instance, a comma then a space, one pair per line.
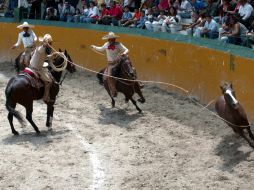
174, 144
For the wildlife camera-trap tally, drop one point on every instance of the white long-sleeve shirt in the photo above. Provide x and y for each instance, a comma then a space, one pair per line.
93, 12
27, 41
213, 26
112, 50
245, 11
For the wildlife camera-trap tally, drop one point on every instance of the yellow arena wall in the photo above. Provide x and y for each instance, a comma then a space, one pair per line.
197, 69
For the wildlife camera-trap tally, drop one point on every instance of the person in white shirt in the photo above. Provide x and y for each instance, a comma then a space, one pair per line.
37, 61
114, 50
93, 14
28, 38
185, 9
245, 12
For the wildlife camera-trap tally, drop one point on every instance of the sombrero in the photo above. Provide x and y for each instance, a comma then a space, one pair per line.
110, 35
46, 38
25, 25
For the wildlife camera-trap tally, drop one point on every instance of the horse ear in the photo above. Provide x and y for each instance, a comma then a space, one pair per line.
65, 52
60, 50
231, 85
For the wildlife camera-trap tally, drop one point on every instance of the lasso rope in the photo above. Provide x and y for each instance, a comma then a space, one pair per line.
154, 82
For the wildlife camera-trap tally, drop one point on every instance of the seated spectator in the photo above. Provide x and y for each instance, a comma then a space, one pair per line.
51, 14
126, 15
104, 12
68, 12
60, 8
157, 24
173, 22
245, 13
77, 15
134, 19
93, 14
185, 9
198, 5
210, 29
115, 14
199, 21
156, 11
223, 10
141, 22
211, 8
150, 19
235, 32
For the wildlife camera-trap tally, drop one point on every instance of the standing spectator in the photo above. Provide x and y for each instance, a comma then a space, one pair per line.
35, 11
68, 12
245, 12
51, 14
93, 14
210, 30
60, 8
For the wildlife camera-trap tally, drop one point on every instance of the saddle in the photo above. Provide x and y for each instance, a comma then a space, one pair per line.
32, 77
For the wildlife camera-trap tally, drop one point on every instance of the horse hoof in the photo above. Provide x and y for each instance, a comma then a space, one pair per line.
50, 128
38, 132
15, 133
141, 100
139, 111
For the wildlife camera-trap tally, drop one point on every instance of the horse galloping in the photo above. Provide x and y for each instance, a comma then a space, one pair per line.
123, 70
21, 90
232, 112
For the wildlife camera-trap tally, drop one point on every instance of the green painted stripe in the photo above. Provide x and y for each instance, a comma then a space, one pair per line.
8, 20
201, 42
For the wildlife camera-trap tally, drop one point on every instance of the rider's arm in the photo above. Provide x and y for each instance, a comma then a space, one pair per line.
101, 49
19, 40
123, 49
34, 36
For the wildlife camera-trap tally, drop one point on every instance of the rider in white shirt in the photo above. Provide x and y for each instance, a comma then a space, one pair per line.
28, 38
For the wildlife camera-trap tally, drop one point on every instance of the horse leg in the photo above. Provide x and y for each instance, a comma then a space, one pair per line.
138, 91
135, 104
243, 135
50, 111
29, 112
10, 118
250, 133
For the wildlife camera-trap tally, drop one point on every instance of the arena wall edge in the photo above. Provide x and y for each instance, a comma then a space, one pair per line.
198, 65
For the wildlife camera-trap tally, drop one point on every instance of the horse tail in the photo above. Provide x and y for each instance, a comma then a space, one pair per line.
8, 92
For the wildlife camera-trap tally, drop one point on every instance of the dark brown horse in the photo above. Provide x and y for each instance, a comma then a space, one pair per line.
20, 90
124, 70
232, 112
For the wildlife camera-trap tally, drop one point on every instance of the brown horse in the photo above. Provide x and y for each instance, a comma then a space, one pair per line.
232, 112
20, 90
124, 70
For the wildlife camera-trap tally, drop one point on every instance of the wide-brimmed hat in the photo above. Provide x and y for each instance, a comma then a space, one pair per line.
25, 25
110, 35
46, 38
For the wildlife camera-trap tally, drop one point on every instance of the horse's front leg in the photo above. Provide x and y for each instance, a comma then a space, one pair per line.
135, 104
139, 92
50, 111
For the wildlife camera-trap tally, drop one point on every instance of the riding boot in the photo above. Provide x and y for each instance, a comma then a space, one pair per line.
46, 97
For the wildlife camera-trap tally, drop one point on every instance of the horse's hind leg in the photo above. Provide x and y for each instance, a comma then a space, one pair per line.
138, 91
29, 112
10, 118
135, 104
50, 111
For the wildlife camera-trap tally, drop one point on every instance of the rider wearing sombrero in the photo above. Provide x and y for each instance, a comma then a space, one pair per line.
114, 50
28, 38
41, 53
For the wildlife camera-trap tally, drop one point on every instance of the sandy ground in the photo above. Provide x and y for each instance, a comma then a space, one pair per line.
174, 144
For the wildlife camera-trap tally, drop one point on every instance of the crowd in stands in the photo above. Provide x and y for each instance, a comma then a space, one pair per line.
231, 21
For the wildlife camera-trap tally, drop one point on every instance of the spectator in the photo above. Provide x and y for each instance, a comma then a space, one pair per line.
210, 29
163, 5
104, 12
245, 12
185, 9
141, 22
77, 15
199, 22
134, 19
157, 24
126, 16
173, 22
115, 14
198, 5
68, 12
150, 19
35, 10
93, 14
212, 8
223, 10
156, 11
60, 8
51, 14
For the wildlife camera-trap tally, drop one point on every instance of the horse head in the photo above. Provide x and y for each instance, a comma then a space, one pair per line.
229, 94
127, 69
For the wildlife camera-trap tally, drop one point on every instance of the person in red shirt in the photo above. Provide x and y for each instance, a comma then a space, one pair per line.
104, 13
134, 19
115, 14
